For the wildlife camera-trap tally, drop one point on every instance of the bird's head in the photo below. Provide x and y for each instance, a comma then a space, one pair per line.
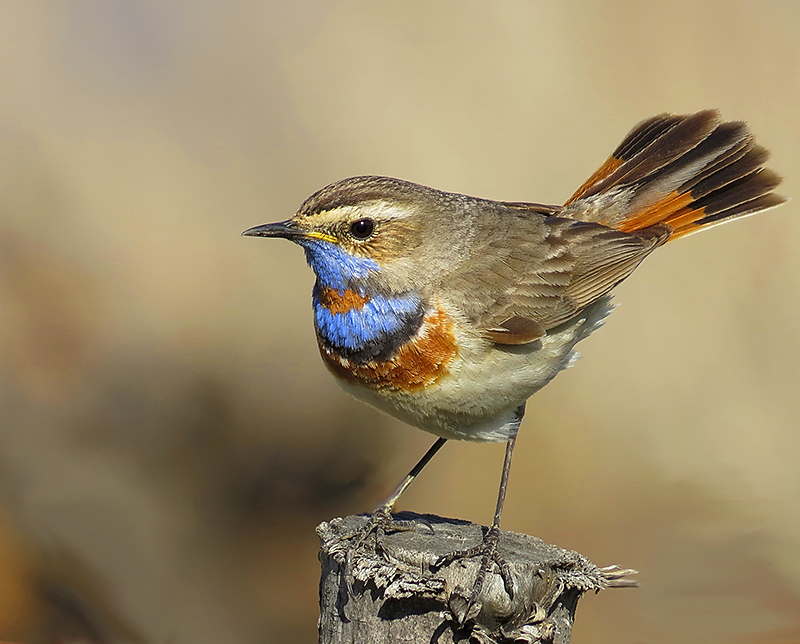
363, 233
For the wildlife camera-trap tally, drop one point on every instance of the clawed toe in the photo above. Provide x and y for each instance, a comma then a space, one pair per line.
489, 553
380, 523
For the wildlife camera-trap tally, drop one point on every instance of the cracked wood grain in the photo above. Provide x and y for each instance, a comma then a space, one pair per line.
397, 596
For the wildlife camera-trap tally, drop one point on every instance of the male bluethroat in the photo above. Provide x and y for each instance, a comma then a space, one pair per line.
449, 312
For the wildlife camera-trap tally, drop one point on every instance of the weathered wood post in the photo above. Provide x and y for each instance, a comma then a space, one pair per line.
400, 599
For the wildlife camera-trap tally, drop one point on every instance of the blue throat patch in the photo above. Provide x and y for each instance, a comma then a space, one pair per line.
375, 330
333, 266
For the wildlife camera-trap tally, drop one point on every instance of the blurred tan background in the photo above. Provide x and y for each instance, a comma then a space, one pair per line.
168, 435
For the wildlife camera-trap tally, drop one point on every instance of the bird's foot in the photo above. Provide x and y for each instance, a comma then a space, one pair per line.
379, 523
489, 554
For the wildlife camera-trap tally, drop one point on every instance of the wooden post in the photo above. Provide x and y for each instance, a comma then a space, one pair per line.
399, 599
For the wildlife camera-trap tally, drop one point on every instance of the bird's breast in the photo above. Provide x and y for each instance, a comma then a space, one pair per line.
383, 343
363, 327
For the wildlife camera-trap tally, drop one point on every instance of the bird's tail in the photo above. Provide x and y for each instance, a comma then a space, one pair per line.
679, 174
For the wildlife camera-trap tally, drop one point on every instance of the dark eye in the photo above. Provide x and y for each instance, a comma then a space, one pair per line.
362, 228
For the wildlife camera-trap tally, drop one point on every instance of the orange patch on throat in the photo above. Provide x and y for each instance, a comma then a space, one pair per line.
420, 362
337, 302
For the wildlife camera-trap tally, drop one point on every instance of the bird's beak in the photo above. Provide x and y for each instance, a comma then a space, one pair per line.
288, 230
285, 229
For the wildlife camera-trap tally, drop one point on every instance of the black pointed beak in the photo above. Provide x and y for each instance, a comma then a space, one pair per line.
285, 229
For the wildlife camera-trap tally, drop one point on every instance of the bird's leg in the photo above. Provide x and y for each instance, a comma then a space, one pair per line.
488, 549
381, 519
388, 505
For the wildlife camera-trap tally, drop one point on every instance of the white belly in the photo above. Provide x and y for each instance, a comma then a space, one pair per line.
486, 384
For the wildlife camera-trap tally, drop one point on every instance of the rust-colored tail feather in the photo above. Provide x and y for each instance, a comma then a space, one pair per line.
679, 173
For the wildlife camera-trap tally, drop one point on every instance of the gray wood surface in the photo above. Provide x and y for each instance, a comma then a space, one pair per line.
401, 599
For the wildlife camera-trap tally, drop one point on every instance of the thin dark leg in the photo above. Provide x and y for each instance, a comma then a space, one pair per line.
381, 519
389, 503
501, 495
488, 550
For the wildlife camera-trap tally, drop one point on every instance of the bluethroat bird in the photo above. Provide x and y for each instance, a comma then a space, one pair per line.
448, 311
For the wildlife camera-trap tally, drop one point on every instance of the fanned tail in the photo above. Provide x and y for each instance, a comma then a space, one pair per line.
679, 174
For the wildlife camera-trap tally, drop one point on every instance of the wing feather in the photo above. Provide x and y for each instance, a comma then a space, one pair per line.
541, 271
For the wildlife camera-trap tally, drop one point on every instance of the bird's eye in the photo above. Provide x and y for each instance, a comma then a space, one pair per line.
362, 228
